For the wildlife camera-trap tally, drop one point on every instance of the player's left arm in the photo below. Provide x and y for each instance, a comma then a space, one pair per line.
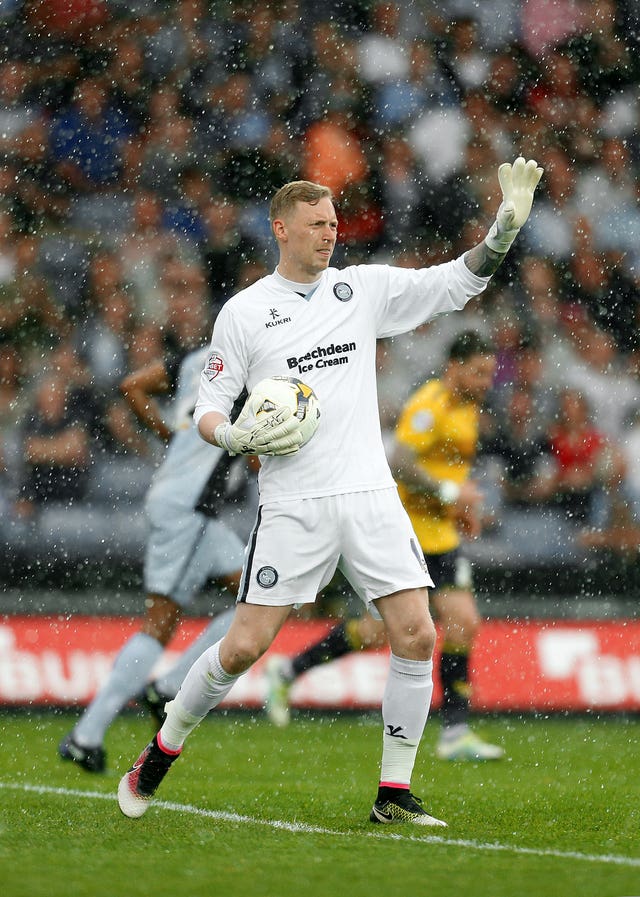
518, 183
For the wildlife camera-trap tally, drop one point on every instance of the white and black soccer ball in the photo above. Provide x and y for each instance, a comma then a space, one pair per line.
276, 392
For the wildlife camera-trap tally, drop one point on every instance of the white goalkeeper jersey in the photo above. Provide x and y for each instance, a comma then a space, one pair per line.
327, 340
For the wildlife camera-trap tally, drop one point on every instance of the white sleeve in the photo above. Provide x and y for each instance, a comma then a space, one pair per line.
414, 296
225, 370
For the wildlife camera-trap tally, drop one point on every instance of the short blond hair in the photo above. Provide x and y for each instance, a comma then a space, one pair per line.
296, 191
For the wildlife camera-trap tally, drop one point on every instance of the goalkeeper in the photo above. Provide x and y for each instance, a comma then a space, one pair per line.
334, 503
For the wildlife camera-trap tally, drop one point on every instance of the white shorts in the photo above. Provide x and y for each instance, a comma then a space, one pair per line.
296, 546
184, 551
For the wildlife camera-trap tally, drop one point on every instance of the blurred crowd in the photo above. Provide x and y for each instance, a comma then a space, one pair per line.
141, 140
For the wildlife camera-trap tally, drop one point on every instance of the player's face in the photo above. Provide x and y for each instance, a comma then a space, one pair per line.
307, 237
475, 377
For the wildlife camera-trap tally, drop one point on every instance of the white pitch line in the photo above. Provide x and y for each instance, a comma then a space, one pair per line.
301, 827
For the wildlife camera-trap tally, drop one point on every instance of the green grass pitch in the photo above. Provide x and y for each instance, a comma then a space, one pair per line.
250, 811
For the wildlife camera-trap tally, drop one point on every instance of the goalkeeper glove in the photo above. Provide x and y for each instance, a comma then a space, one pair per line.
277, 433
518, 183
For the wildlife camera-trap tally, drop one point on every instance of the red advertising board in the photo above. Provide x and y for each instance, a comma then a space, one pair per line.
516, 666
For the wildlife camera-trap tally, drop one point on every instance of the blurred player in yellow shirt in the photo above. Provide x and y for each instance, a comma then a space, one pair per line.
432, 459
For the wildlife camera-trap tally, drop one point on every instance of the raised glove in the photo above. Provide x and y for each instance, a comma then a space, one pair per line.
518, 183
275, 433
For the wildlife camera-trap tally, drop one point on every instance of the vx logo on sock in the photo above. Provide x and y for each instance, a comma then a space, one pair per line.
395, 731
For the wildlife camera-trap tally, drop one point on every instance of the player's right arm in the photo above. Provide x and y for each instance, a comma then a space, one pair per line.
407, 470
417, 432
223, 379
459, 500
277, 433
139, 389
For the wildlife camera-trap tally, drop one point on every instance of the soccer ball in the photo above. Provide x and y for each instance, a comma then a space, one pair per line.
274, 392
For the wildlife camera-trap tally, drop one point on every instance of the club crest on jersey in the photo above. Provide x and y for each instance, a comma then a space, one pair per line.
342, 291
215, 366
423, 421
267, 577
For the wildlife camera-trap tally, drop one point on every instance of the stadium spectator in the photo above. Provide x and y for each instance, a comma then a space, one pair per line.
361, 222
537, 298
168, 145
188, 304
608, 63
250, 174
397, 101
333, 151
225, 249
56, 448
144, 249
13, 398
608, 189
529, 376
104, 338
507, 336
20, 113
67, 20
330, 72
188, 309
184, 214
439, 139
594, 367
8, 249
630, 445
516, 439
462, 56
28, 314
147, 343
553, 97
401, 192
86, 138
552, 232
589, 469
128, 80
486, 126
508, 78
270, 57
97, 407
383, 53
547, 23
497, 25
608, 183
447, 204
608, 296
177, 44
251, 270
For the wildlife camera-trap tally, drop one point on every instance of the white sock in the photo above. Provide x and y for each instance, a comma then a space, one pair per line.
169, 683
205, 685
127, 678
177, 725
405, 708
